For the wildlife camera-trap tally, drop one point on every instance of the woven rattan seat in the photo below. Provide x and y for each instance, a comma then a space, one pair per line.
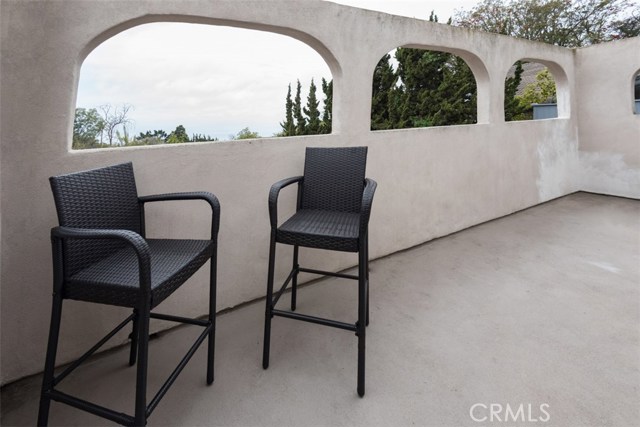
101, 255
333, 209
321, 229
114, 280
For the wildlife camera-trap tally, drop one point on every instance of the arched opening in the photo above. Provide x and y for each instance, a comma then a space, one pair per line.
530, 92
415, 87
167, 82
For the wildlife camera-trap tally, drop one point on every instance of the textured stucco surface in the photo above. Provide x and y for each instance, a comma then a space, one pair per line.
609, 131
431, 181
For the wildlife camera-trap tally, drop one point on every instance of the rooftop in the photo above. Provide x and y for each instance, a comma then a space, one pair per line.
539, 307
499, 277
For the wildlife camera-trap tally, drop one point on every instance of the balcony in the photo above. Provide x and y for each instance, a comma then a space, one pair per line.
537, 307
498, 277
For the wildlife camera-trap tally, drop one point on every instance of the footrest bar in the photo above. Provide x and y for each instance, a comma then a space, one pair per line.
316, 320
92, 408
92, 350
329, 273
165, 387
172, 318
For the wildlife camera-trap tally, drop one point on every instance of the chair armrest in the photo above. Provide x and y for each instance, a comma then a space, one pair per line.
136, 241
195, 195
273, 197
367, 200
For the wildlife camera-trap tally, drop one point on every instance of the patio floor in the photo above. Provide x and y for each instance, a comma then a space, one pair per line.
540, 307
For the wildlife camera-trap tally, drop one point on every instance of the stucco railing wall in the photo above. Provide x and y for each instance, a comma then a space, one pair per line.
432, 182
609, 131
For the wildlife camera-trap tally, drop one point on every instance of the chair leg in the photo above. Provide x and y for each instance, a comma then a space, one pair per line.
212, 316
49, 366
362, 316
294, 279
269, 303
366, 259
134, 339
141, 374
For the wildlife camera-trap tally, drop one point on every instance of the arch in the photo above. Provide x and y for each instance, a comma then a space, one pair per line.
301, 39
563, 99
381, 114
306, 38
480, 73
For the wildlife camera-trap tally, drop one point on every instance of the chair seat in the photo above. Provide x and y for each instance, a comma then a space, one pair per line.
321, 229
114, 280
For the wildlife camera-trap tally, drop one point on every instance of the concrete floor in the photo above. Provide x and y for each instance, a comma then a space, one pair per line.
538, 308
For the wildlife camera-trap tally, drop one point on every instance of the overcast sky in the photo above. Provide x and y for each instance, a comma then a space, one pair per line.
214, 80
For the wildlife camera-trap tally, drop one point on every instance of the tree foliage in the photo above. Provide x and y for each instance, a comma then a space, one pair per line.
384, 85
312, 112
327, 104
512, 107
288, 125
90, 130
426, 88
246, 133
540, 91
178, 136
308, 119
301, 122
87, 127
566, 23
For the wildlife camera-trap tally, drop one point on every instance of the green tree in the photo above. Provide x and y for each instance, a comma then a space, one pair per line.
384, 84
87, 126
456, 95
178, 136
327, 104
301, 124
561, 22
512, 106
156, 137
246, 133
288, 126
436, 88
425, 93
196, 137
543, 90
312, 112
158, 133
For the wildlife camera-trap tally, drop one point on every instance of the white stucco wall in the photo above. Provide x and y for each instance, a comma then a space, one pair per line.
432, 182
609, 131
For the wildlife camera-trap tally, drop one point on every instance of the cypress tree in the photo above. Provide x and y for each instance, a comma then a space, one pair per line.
511, 103
327, 90
301, 124
384, 80
312, 112
456, 96
288, 126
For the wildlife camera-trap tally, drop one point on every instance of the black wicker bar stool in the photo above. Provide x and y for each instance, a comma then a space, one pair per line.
101, 255
333, 209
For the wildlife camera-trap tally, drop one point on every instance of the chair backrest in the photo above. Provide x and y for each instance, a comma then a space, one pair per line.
334, 178
104, 198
